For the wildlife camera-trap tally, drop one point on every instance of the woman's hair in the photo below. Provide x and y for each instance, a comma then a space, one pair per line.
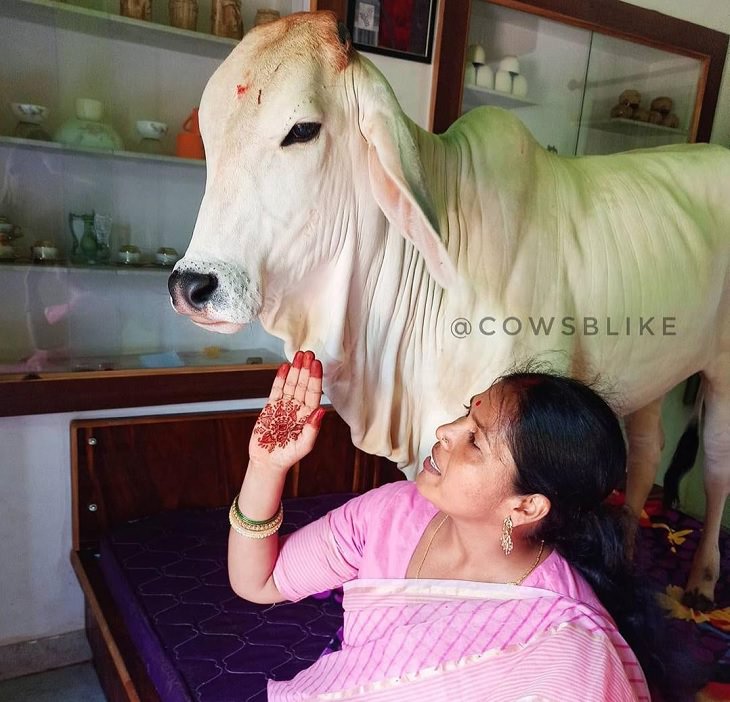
567, 445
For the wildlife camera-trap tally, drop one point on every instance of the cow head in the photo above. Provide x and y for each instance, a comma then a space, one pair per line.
296, 125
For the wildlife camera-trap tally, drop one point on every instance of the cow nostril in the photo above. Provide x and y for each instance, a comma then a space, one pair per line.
195, 288
202, 289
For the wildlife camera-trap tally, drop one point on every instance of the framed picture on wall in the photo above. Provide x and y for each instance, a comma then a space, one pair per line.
399, 28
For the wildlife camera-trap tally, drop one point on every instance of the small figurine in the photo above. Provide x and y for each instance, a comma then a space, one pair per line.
136, 9
625, 111
632, 98
628, 105
663, 105
225, 19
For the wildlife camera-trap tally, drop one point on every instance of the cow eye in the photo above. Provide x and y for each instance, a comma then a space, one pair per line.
302, 132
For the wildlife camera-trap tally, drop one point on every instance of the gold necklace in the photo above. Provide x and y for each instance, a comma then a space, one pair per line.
430, 541
519, 581
532, 567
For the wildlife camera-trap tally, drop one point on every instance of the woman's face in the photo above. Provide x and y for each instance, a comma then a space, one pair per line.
470, 472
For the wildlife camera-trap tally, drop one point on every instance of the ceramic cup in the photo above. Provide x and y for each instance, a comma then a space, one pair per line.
89, 109
485, 77
44, 251
476, 54
166, 256
519, 86
503, 81
150, 129
26, 112
129, 254
509, 64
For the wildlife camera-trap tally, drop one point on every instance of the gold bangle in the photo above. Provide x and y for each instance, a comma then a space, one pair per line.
255, 531
265, 523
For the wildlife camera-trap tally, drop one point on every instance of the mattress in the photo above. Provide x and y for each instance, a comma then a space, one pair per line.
198, 639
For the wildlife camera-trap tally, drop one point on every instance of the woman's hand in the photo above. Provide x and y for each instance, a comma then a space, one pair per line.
288, 425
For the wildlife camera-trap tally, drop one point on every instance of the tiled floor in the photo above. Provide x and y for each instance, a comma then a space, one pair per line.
77, 683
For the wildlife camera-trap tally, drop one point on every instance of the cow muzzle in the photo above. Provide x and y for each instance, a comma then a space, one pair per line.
218, 296
190, 290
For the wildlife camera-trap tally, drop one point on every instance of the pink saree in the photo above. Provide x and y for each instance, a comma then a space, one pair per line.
411, 640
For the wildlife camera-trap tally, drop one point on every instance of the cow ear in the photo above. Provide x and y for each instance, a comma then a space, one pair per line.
396, 173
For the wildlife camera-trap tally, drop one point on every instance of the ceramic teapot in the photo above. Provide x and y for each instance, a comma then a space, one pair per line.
191, 123
189, 141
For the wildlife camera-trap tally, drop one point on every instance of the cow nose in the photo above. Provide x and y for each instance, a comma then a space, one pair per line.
195, 289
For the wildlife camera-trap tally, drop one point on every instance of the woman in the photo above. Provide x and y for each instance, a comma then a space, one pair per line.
498, 575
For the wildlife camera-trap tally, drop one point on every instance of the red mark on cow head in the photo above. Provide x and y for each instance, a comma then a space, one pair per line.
278, 425
241, 90
477, 403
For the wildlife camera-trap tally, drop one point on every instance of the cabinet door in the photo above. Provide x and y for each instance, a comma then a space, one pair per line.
610, 40
533, 66
637, 96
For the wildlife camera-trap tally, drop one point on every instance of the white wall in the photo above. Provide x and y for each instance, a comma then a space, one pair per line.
40, 594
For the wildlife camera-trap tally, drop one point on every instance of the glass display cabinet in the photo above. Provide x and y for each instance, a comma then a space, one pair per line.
103, 173
578, 91
586, 78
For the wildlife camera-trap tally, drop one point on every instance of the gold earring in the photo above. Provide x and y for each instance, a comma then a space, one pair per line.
505, 540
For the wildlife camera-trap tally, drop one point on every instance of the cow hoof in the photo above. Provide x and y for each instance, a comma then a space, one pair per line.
694, 599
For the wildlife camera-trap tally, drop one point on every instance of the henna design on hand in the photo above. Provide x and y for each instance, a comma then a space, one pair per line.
277, 425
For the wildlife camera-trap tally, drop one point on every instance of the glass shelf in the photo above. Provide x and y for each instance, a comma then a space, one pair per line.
631, 127
477, 95
88, 21
120, 268
53, 147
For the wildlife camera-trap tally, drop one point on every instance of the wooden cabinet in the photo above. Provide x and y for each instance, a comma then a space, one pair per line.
578, 58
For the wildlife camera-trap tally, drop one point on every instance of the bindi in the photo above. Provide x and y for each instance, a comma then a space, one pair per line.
477, 403
278, 425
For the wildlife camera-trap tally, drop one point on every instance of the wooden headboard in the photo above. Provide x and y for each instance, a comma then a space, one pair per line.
128, 468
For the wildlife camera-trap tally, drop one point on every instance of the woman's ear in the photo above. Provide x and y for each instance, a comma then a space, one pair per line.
531, 509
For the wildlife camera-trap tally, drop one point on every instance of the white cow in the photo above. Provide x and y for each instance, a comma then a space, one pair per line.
346, 229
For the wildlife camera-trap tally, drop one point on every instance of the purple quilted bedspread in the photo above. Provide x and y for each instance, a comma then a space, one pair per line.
198, 639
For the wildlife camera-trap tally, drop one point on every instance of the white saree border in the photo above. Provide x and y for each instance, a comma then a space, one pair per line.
368, 593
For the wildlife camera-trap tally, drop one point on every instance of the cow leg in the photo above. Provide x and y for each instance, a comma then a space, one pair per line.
645, 442
705, 572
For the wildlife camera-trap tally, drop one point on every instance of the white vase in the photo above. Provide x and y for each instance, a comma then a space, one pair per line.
485, 77
503, 81
476, 54
519, 86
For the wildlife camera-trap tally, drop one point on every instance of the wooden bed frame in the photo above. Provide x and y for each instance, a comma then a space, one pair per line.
124, 469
